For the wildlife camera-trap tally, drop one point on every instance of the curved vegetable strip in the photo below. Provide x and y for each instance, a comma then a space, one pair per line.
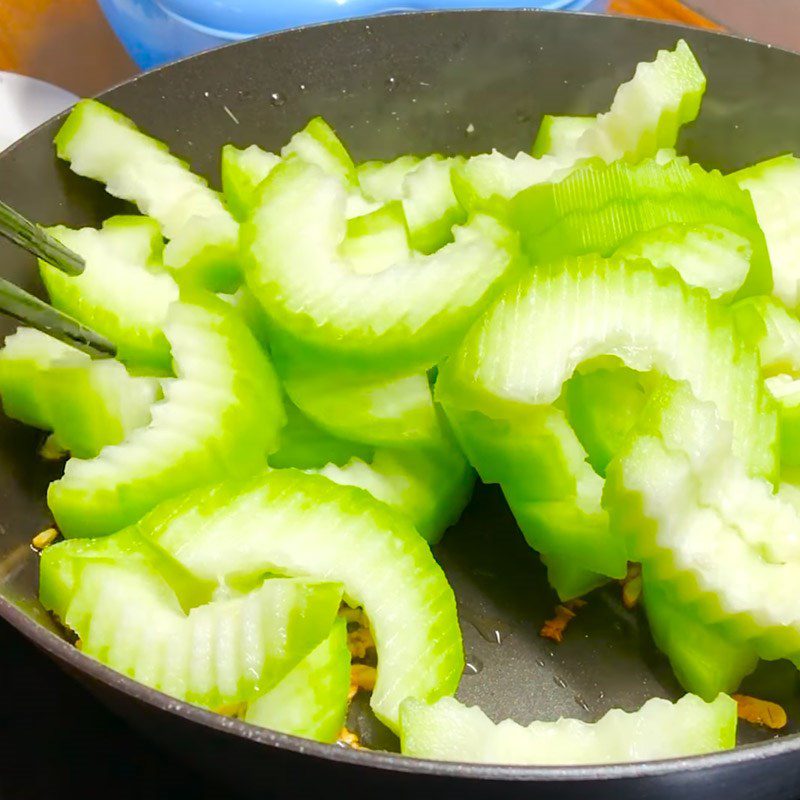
221, 416
705, 661
557, 136
304, 445
395, 411
123, 293
103, 144
450, 731
719, 539
645, 117
319, 145
775, 188
405, 317
290, 522
513, 364
707, 256
382, 181
431, 487
766, 323
600, 207
87, 404
311, 701
62, 564
602, 406
243, 171
227, 651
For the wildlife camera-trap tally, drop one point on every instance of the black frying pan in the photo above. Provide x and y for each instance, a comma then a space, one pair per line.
450, 82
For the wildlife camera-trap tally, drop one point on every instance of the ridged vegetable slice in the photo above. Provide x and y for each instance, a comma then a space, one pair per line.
304, 445
722, 541
242, 173
87, 403
62, 564
766, 323
708, 256
103, 144
290, 522
382, 181
775, 188
226, 651
319, 145
558, 135
514, 363
221, 416
705, 661
599, 207
381, 411
646, 116
430, 486
311, 701
407, 316
123, 293
450, 731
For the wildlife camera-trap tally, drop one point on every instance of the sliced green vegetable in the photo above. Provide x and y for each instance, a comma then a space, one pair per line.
311, 701
602, 407
61, 566
775, 188
431, 487
87, 403
450, 731
243, 171
599, 207
406, 317
123, 293
718, 539
766, 323
227, 651
289, 522
382, 181
499, 387
559, 135
319, 145
221, 416
645, 117
304, 445
708, 256
103, 144
397, 411
704, 660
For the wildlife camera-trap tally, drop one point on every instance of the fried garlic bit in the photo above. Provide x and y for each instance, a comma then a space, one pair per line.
349, 739
45, 538
363, 676
760, 712
359, 635
555, 627
632, 586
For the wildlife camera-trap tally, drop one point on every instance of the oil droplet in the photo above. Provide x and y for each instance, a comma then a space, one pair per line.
470, 129
601, 696
391, 84
581, 702
540, 662
277, 99
302, 87
559, 681
474, 666
493, 630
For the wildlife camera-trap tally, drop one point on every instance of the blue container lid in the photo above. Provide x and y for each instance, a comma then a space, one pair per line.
237, 19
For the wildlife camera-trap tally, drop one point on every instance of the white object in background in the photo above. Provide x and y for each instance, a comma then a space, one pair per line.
25, 103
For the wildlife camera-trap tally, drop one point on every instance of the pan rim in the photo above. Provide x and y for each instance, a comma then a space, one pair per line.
66, 654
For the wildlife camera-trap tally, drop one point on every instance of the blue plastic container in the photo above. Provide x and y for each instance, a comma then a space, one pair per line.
157, 31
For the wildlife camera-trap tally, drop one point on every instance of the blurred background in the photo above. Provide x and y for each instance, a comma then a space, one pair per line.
70, 42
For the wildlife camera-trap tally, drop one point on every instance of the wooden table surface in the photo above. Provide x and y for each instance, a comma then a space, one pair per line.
68, 42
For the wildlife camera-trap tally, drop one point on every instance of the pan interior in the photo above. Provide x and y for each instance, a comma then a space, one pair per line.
457, 82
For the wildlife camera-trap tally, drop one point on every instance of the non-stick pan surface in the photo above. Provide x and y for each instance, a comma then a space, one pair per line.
451, 82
